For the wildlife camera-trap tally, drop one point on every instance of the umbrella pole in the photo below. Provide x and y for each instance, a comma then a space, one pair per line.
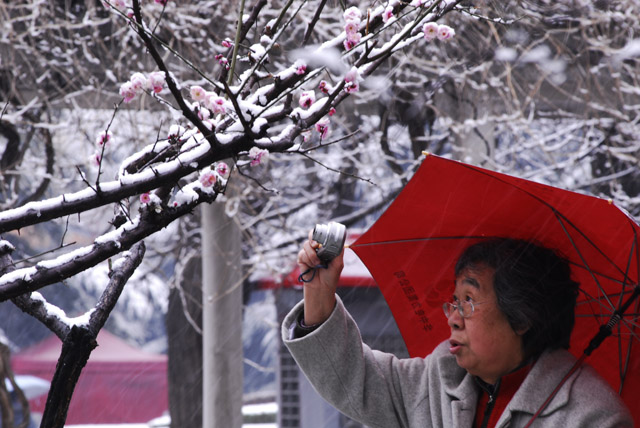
604, 332
606, 329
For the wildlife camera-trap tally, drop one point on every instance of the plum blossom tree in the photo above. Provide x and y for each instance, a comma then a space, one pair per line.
244, 114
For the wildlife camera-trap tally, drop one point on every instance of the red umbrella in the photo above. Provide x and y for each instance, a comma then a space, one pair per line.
412, 249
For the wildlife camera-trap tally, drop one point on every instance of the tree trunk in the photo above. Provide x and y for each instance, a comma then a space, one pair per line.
185, 349
76, 350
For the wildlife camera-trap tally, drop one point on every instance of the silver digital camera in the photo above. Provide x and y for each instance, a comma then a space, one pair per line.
331, 238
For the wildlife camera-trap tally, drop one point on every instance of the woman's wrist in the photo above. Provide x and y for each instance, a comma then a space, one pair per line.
318, 305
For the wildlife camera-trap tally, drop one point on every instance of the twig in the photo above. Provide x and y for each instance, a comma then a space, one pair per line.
330, 143
313, 22
186, 111
4, 109
236, 43
366, 180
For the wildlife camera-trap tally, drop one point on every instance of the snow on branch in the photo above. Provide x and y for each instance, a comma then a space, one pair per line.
242, 118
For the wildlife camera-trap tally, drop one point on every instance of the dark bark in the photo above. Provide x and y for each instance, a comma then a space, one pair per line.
11, 154
76, 349
185, 349
12, 220
78, 341
150, 222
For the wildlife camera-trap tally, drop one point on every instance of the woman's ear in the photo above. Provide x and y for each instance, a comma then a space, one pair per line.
520, 329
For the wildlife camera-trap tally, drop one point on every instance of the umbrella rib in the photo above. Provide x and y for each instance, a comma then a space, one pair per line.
554, 210
625, 368
626, 273
635, 240
560, 215
560, 218
635, 315
402, 241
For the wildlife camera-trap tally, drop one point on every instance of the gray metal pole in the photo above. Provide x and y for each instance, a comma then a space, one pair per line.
221, 320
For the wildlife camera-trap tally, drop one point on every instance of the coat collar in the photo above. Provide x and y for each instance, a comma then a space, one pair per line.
456, 382
544, 377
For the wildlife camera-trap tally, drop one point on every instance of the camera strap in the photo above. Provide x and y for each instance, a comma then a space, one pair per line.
313, 274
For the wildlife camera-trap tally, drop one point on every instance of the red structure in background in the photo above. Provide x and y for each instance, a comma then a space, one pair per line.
119, 384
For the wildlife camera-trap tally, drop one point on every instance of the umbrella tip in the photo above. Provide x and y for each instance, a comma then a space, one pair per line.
426, 153
347, 246
610, 201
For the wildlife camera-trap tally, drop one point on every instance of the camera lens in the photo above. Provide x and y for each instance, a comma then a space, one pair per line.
320, 233
331, 238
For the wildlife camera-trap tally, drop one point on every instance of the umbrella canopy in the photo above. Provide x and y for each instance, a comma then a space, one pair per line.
412, 249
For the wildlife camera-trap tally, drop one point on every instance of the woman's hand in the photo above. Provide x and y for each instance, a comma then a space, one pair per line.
319, 293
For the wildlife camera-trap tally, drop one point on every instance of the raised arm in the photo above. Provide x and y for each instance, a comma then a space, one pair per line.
319, 292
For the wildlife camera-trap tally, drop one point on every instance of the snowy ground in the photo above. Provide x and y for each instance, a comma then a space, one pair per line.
148, 426
248, 410
271, 425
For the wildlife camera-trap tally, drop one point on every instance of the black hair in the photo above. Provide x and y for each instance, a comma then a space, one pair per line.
533, 287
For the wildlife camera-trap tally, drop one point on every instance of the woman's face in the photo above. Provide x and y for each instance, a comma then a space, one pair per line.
483, 344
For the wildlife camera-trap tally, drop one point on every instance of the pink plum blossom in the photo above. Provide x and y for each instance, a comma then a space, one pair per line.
145, 198
95, 158
332, 111
388, 14
222, 169
352, 79
301, 67
215, 103
307, 98
103, 138
351, 27
222, 60
162, 2
322, 126
324, 87
227, 43
352, 14
138, 82
197, 93
352, 17
207, 178
258, 155
352, 40
430, 30
445, 32
175, 131
203, 114
127, 92
157, 80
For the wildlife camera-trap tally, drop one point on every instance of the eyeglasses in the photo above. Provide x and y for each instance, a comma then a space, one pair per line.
465, 308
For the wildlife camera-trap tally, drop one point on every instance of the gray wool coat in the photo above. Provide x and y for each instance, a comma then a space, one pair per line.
383, 391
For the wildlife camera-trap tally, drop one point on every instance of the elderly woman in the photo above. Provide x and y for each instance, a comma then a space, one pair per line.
511, 316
